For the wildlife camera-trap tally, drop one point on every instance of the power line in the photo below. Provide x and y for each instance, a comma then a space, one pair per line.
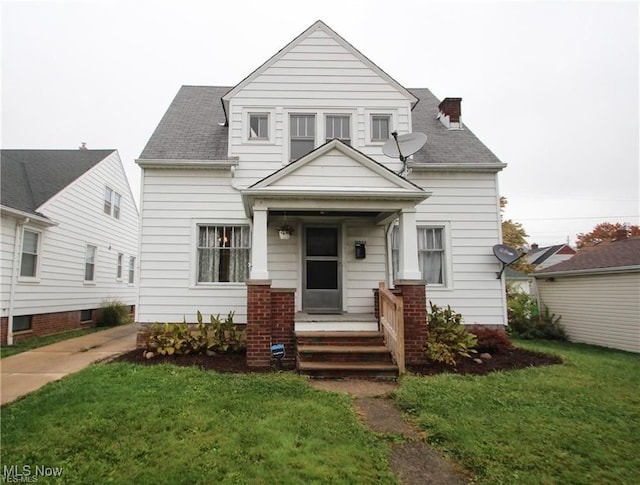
604, 218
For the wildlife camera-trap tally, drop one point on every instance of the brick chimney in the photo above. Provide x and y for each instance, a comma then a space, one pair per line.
450, 113
83, 146
534, 246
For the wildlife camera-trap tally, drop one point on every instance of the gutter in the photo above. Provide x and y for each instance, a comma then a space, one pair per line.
589, 271
17, 246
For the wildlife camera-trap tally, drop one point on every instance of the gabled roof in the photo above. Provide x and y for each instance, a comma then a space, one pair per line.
31, 177
318, 25
606, 256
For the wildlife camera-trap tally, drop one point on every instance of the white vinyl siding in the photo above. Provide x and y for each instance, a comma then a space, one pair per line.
597, 309
30, 251
61, 267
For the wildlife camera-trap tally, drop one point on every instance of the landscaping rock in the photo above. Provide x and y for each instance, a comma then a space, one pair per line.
149, 355
478, 361
485, 356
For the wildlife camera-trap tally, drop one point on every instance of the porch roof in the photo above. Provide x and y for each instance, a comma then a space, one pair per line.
334, 177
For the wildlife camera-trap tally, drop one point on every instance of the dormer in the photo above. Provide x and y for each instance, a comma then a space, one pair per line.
317, 88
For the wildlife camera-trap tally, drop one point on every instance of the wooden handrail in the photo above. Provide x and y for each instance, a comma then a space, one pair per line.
392, 323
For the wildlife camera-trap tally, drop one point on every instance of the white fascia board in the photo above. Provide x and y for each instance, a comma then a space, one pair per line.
33, 218
192, 164
591, 271
458, 167
333, 192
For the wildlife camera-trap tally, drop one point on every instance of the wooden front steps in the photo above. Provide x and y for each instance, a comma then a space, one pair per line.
344, 354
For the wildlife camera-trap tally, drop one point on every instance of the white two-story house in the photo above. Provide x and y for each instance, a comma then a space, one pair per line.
69, 240
273, 199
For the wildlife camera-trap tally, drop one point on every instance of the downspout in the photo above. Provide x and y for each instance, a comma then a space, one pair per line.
17, 245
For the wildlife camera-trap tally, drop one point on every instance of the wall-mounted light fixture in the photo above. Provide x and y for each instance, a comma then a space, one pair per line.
361, 249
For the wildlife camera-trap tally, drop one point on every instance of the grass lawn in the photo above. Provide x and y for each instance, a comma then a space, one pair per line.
576, 423
35, 342
121, 423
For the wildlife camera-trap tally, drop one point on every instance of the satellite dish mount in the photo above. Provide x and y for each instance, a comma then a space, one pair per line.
506, 255
403, 146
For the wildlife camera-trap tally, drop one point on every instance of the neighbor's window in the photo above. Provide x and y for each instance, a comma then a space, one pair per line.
30, 246
430, 253
223, 253
22, 322
90, 263
119, 267
380, 127
259, 126
112, 202
303, 135
132, 269
338, 126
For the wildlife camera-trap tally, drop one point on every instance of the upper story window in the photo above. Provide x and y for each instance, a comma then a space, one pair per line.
380, 127
112, 202
338, 126
258, 126
30, 251
303, 135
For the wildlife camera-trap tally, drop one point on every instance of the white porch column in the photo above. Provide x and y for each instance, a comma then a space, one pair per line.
259, 245
409, 269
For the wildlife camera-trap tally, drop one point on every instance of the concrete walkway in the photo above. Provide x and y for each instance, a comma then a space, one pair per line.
28, 371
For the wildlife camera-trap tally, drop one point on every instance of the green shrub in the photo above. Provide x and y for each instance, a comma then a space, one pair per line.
447, 336
112, 312
526, 322
218, 336
491, 340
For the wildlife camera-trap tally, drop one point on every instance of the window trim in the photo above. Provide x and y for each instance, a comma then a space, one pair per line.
131, 272
194, 255
447, 264
35, 278
86, 262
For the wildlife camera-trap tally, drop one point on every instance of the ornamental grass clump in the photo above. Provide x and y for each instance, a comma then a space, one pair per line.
447, 337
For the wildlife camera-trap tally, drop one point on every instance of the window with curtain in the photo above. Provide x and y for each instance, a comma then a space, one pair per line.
431, 254
259, 126
223, 254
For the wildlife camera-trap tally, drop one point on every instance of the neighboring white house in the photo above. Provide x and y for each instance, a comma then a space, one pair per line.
548, 256
597, 294
69, 239
298, 145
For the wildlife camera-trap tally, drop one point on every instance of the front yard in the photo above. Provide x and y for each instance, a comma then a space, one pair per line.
121, 423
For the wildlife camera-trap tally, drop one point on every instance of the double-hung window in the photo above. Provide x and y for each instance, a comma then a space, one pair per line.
380, 127
132, 269
90, 263
119, 266
338, 126
223, 253
303, 135
431, 253
112, 200
30, 249
258, 126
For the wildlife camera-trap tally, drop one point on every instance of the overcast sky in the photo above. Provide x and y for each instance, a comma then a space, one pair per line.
550, 87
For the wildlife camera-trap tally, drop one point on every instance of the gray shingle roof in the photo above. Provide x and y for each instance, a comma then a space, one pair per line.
191, 129
31, 177
444, 145
608, 254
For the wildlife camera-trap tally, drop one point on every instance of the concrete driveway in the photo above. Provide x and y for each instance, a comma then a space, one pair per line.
28, 371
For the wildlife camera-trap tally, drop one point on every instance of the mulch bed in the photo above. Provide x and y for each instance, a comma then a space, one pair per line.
236, 362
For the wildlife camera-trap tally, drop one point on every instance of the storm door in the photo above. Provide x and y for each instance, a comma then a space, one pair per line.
321, 270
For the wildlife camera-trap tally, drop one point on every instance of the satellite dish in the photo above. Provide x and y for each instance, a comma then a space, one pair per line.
506, 256
404, 146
